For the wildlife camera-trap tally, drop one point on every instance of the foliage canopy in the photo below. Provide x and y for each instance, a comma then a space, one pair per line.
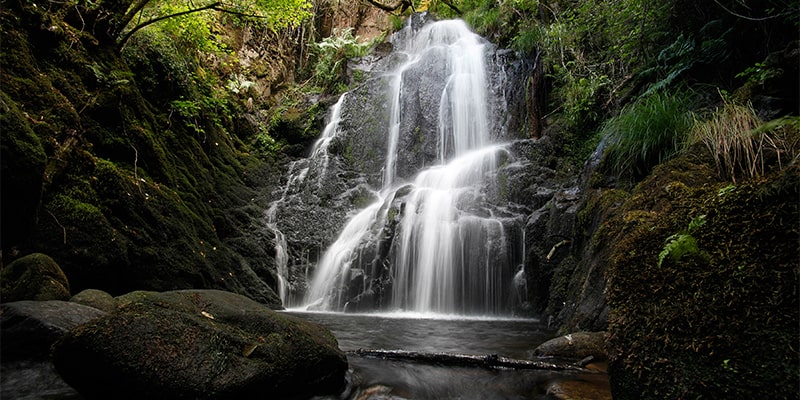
277, 13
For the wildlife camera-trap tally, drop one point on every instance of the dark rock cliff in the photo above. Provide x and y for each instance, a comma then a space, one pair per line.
100, 172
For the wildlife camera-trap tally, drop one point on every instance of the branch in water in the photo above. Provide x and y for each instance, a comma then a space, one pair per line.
467, 360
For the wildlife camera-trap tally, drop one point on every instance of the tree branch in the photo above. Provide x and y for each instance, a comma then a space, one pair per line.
402, 5
239, 13
467, 360
136, 28
452, 6
131, 13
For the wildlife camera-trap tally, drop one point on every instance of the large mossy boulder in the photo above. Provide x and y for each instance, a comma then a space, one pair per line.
200, 344
33, 277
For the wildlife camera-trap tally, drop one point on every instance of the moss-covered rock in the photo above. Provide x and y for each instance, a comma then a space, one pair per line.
198, 344
33, 277
577, 345
717, 320
22, 152
96, 298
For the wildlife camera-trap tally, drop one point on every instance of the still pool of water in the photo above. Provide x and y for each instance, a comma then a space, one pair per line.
373, 378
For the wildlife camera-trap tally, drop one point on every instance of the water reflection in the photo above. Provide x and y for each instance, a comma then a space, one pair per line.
387, 379
515, 338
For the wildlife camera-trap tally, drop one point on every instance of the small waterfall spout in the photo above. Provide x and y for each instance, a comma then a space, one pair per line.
434, 239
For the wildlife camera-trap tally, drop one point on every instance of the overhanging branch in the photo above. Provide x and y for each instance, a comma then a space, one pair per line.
136, 28
402, 5
452, 6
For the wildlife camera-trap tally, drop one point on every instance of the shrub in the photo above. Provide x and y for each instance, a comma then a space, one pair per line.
647, 132
332, 53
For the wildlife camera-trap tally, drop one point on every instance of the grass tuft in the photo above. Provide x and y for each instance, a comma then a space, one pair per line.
647, 132
743, 145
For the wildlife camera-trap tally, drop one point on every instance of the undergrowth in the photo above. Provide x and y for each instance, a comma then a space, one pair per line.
330, 56
647, 132
742, 145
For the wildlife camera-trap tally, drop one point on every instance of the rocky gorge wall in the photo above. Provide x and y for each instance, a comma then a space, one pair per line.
102, 174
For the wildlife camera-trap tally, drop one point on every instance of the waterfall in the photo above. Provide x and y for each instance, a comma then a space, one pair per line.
429, 242
297, 172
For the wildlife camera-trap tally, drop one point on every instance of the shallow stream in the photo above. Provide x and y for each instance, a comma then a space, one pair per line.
374, 378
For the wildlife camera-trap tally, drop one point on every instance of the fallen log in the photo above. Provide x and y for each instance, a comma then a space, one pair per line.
468, 360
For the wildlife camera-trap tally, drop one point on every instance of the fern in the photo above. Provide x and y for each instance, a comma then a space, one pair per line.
682, 243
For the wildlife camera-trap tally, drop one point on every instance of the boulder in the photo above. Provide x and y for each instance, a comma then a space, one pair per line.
200, 344
29, 328
575, 345
33, 277
96, 298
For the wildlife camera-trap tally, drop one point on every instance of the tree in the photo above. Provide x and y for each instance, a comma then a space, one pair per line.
142, 13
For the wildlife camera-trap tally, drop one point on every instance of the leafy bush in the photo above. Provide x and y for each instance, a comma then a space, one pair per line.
331, 55
647, 132
741, 143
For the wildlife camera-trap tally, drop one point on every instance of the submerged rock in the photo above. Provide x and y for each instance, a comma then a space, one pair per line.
200, 344
574, 345
590, 387
33, 277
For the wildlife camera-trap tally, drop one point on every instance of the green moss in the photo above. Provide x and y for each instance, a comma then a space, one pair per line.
33, 277
23, 162
714, 323
597, 207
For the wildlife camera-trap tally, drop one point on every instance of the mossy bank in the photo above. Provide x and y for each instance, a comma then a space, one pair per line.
122, 189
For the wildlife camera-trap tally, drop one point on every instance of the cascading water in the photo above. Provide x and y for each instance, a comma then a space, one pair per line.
298, 170
433, 244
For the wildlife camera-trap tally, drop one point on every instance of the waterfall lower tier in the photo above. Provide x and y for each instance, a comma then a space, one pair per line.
427, 246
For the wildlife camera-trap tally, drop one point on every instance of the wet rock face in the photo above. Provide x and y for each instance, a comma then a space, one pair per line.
199, 344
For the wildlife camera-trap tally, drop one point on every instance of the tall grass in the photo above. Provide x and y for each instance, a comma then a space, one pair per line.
647, 132
743, 145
